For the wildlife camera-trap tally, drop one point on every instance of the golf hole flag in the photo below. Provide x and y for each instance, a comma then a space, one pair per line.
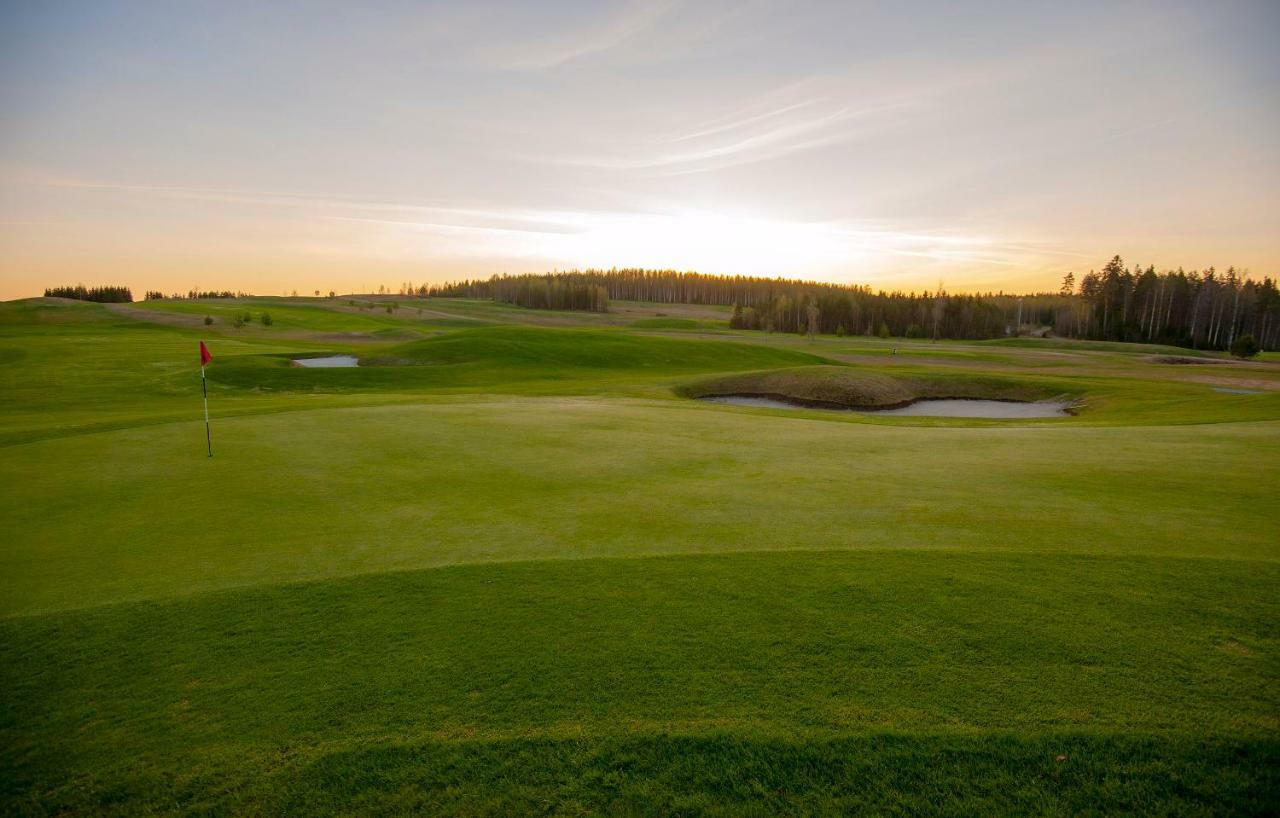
205, 358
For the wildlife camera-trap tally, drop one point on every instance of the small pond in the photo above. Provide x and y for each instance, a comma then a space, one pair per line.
328, 361
938, 408
1229, 390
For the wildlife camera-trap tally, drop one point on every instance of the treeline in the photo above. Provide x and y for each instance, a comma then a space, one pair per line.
156, 295
103, 295
555, 291
1203, 309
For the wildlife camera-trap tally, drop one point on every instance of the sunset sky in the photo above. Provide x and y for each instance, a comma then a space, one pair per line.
269, 147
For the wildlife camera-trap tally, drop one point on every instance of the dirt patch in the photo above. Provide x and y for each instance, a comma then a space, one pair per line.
695, 312
1180, 360
1249, 384
353, 337
170, 319
1234, 648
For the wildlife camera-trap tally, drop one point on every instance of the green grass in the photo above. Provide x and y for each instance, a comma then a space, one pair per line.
316, 694
506, 568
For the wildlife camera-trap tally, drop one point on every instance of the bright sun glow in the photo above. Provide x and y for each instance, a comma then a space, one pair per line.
707, 241
684, 240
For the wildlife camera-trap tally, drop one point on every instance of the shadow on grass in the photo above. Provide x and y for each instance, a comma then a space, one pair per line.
910, 775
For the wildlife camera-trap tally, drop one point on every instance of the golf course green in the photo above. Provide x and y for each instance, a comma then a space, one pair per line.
509, 564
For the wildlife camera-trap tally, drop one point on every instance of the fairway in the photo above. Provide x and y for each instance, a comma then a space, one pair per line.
510, 564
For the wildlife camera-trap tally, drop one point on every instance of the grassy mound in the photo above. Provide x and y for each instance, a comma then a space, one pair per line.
584, 349
844, 386
503, 356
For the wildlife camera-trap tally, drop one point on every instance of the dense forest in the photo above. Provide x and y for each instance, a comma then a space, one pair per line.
550, 292
1203, 309
104, 295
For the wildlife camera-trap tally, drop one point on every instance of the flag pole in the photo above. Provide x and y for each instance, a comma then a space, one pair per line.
204, 387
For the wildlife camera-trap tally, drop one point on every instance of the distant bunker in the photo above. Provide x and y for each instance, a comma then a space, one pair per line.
849, 389
327, 361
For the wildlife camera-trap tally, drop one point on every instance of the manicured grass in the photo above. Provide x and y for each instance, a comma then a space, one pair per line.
987, 664
506, 568
466, 480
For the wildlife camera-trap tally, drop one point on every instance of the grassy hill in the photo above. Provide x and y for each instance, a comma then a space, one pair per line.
504, 566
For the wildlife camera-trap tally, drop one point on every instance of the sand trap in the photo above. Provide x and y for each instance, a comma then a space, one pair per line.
939, 408
327, 362
948, 408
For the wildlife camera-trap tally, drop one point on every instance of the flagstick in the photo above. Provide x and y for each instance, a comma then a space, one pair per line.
208, 436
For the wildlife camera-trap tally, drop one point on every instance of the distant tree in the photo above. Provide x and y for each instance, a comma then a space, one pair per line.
317, 293
331, 294
238, 321
102, 295
208, 320
1201, 309
1244, 347
840, 331
883, 332
735, 320
195, 295
266, 319
812, 314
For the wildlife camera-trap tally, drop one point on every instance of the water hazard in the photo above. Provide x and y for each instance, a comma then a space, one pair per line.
937, 408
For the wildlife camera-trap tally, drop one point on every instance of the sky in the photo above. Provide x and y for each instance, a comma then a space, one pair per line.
273, 147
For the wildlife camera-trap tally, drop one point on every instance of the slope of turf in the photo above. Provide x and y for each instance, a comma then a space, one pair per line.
996, 662
141, 513
498, 357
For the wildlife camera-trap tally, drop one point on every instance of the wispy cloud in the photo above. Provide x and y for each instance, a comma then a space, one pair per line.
478, 221
575, 43
656, 234
756, 138
719, 126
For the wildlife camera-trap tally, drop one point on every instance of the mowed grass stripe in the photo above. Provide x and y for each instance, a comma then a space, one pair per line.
1130, 666
142, 513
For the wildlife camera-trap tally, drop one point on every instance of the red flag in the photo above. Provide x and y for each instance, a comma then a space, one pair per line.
205, 357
